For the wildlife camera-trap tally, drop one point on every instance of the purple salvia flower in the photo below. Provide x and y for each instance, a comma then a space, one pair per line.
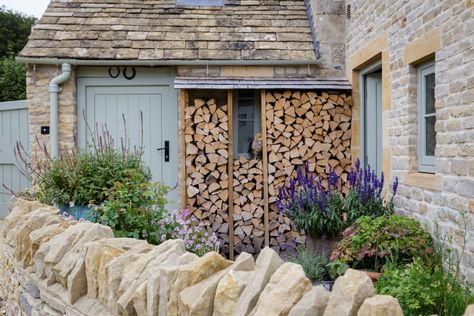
395, 186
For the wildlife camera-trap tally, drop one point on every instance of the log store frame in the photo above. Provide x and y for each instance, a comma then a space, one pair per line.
340, 99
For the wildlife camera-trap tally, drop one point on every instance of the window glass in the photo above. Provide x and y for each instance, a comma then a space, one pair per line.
426, 118
430, 136
246, 121
430, 96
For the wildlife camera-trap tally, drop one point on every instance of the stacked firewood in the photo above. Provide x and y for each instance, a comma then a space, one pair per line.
304, 127
249, 229
207, 153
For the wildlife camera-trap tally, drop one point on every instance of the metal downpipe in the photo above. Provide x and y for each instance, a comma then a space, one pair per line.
54, 89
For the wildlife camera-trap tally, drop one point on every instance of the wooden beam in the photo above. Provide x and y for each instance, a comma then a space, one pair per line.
231, 175
183, 101
265, 168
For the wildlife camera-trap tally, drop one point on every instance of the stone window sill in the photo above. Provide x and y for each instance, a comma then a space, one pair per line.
428, 181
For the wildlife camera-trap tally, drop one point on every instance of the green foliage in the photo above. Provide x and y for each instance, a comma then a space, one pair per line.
83, 178
12, 80
370, 242
134, 207
337, 268
314, 263
424, 290
14, 31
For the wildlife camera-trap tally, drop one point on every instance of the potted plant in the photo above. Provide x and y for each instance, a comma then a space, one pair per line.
370, 243
315, 206
81, 178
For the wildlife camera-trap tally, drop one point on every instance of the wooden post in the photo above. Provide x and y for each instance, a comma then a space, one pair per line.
183, 101
231, 176
265, 167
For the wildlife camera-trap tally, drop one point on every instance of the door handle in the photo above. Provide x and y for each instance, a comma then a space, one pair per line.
167, 150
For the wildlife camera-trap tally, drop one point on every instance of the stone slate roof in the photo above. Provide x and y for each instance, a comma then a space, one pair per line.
160, 30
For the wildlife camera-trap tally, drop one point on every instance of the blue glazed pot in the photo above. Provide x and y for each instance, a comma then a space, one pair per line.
328, 285
77, 211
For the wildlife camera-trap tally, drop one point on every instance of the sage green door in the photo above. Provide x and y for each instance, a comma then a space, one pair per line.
142, 116
373, 121
13, 130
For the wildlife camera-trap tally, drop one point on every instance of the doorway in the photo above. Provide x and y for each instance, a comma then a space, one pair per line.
371, 117
148, 106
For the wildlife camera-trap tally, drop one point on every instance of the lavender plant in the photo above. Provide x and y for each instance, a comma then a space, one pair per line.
366, 195
180, 225
311, 207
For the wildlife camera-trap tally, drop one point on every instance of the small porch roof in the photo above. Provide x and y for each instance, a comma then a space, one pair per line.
262, 83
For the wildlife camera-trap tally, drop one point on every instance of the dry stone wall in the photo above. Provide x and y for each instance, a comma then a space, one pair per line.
59, 267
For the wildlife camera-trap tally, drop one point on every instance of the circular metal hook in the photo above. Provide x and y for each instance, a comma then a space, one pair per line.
127, 76
114, 74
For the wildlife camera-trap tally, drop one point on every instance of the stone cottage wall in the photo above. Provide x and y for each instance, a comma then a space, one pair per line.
51, 266
400, 32
37, 82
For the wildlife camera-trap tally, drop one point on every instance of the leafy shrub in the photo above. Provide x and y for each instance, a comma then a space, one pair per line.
431, 289
14, 31
180, 225
370, 242
314, 264
337, 268
423, 290
15, 28
134, 207
310, 206
366, 194
83, 177
12, 80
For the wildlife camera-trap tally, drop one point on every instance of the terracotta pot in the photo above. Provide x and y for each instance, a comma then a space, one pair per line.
374, 276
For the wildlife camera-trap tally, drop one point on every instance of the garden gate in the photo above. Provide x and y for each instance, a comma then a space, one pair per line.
13, 129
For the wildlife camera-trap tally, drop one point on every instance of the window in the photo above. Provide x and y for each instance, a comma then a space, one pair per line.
246, 121
426, 117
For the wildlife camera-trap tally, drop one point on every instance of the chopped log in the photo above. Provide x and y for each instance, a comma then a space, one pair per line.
304, 126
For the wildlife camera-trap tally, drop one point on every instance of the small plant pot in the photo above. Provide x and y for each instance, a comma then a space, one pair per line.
77, 211
374, 276
328, 285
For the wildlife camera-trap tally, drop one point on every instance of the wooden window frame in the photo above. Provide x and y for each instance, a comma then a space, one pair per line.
235, 121
426, 163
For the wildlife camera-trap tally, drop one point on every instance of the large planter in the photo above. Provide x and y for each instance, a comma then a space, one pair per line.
77, 211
